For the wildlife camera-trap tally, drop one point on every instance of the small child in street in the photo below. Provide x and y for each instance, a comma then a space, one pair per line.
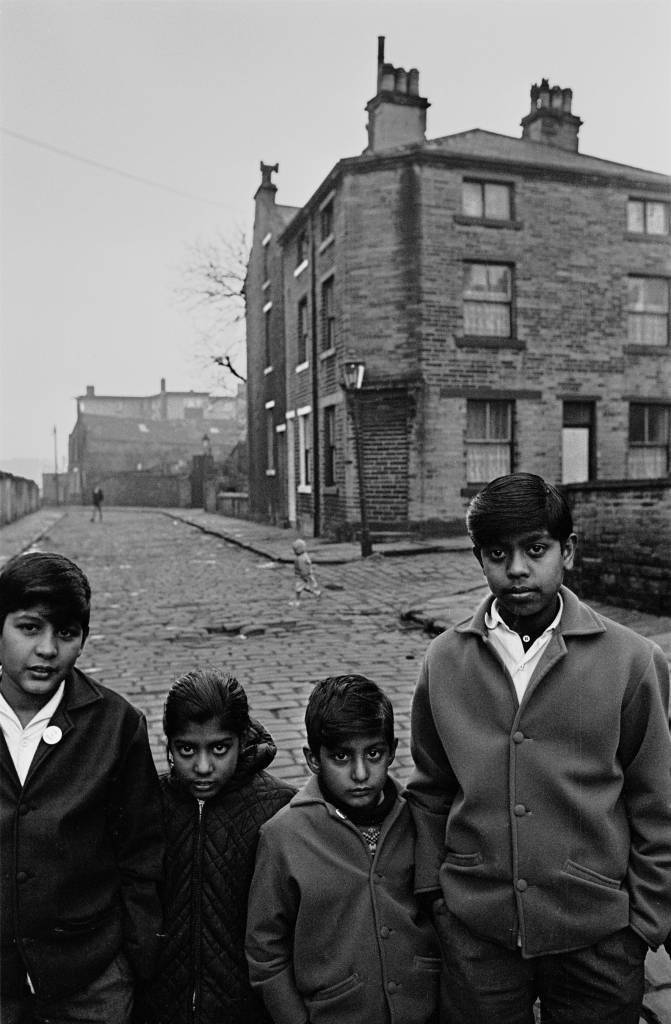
542, 784
214, 798
303, 572
334, 934
80, 825
97, 501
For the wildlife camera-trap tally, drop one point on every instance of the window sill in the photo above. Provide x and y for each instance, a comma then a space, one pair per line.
330, 488
301, 367
267, 370
326, 243
304, 488
641, 236
486, 341
487, 222
646, 350
327, 352
271, 472
300, 268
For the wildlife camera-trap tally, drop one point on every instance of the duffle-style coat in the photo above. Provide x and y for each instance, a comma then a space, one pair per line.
82, 847
202, 976
548, 821
334, 935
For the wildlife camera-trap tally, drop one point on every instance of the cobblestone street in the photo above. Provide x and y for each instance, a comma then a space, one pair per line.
169, 593
167, 597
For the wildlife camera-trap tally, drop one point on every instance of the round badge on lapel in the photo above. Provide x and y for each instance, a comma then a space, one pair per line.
52, 734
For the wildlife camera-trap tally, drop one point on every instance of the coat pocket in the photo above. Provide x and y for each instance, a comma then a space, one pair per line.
342, 1000
82, 925
589, 875
427, 963
462, 860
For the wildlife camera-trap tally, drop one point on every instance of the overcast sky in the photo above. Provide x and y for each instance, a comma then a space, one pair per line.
179, 100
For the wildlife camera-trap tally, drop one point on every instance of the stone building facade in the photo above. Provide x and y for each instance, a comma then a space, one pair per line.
508, 296
161, 433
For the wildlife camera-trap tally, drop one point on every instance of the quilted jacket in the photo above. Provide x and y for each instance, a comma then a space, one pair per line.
211, 844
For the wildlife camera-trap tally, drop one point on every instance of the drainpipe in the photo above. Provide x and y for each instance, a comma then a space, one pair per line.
316, 475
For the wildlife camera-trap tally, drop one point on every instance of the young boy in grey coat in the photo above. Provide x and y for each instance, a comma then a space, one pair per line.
334, 934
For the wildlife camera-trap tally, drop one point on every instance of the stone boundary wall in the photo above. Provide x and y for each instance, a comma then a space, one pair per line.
18, 497
154, 490
624, 542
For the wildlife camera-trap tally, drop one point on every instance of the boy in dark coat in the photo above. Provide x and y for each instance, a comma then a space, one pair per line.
214, 798
80, 827
542, 786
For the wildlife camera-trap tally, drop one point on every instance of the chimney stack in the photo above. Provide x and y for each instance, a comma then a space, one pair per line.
397, 113
550, 120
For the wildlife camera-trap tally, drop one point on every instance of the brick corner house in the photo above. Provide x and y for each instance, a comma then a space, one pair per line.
509, 297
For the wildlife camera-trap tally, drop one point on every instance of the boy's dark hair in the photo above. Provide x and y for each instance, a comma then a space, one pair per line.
516, 502
202, 694
50, 579
343, 706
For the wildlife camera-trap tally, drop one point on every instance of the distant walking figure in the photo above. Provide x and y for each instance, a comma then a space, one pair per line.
303, 572
97, 504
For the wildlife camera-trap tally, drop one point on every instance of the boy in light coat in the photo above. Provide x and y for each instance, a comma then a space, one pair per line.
542, 784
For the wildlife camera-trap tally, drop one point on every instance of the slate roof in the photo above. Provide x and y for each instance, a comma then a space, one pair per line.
479, 143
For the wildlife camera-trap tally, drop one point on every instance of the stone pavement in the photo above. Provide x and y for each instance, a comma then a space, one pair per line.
177, 588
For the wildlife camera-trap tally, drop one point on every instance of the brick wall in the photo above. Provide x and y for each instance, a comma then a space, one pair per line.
624, 543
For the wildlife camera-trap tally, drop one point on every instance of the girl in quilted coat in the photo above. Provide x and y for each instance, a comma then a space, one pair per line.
215, 798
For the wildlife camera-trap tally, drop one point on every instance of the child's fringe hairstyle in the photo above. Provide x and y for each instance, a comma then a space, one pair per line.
49, 579
516, 502
201, 695
344, 706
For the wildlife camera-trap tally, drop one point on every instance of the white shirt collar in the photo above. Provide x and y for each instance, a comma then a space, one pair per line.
493, 618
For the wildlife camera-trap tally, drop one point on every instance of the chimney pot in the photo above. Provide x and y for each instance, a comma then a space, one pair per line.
413, 82
401, 80
550, 120
388, 78
90, 391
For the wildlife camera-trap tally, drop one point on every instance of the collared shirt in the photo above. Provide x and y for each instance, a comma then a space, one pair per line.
23, 742
508, 645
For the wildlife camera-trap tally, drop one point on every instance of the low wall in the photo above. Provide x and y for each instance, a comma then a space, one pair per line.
18, 497
155, 490
233, 503
624, 542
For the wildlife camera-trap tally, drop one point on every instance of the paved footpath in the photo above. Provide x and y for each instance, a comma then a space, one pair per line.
173, 589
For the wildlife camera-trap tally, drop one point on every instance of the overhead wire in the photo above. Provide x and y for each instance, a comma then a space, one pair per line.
107, 167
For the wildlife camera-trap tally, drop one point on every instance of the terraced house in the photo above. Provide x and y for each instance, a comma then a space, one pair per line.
509, 297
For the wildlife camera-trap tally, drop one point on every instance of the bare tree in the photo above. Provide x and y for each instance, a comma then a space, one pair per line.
211, 289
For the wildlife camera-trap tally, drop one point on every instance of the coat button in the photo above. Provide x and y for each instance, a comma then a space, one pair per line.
518, 737
519, 810
385, 932
392, 987
22, 876
521, 885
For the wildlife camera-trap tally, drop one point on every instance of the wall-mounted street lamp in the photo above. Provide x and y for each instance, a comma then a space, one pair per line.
352, 382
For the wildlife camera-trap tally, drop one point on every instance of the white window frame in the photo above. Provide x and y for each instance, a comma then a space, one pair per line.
305, 453
496, 452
